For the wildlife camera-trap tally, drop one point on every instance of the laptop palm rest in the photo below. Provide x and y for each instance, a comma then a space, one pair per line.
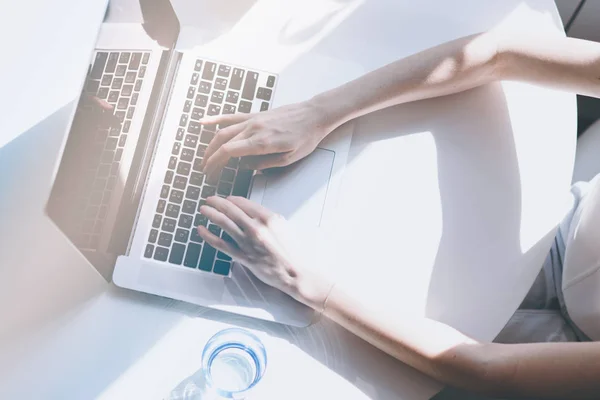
297, 192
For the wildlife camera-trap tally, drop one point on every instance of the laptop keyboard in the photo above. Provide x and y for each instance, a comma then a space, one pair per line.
213, 89
116, 77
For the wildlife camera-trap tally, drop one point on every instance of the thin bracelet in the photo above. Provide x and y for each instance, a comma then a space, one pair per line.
326, 299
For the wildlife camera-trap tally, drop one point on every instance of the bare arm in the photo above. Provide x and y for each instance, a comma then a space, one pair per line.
286, 134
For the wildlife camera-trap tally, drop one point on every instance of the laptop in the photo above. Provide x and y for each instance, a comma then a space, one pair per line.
128, 195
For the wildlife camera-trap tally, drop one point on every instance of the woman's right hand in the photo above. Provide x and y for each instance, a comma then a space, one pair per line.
274, 138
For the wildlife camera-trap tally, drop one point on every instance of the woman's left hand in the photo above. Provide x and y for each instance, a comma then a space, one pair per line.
265, 244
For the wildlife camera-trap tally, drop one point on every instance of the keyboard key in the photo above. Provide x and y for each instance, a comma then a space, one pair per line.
145, 58
264, 94
213, 109
201, 100
121, 69
204, 87
185, 221
165, 239
222, 267
124, 59
177, 252
191, 92
233, 162
149, 251
130, 112
99, 184
160, 207
208, 257
221, 84
197, 165
122, 140
96, 198
197, 113
200, 220
112, 63
201, 150
168, 225
126, 126
187, 154
176, 148
118, 154
196, 178
194, 80
209, 71
264, 106
130, 77
228, 109
192, 192
194, 127
114, 168
223, 256
176, 196
156, 221
117, 83
138, 85
136, 59
102, 212
172, 210
180, 182
227, 175
250, 86
206, 137
107, 156
111, 143
134, 99
181, 235
172, 162
232, 97
180, 133
208, 191
169, 177
106, 80
217, 97
224, 189
236, 79
194, 237
113, 96
102, 93
142, 72
190, 141
123, 103
214, 229
120, 115
271, 81
110, 184
192, 255
164, 192
99, 63
114, 131
224, 70
200, 204
198, 65
212, 181
187, 106
245, 107
189, 207
183, 120
161, 254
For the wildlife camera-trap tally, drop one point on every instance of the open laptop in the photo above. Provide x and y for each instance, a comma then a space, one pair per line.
128, 196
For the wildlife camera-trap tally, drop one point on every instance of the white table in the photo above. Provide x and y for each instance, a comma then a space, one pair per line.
472, 189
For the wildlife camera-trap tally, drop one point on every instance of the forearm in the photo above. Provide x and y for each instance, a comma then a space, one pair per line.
445, 69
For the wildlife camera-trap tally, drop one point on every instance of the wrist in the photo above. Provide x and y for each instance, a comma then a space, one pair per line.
312, 290
329, 110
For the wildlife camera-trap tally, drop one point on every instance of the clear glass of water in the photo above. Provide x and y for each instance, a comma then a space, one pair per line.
233, 361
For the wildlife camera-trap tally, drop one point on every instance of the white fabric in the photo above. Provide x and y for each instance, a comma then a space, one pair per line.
581, 268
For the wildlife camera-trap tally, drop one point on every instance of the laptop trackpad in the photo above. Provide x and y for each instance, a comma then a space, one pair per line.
298, 192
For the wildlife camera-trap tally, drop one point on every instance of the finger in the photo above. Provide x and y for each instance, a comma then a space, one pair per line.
217, 217
267, 161
220, 244
229, 119
222, 136
234, 148
231, 211
252, 209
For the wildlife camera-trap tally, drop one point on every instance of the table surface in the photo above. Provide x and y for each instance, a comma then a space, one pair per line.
468, 191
